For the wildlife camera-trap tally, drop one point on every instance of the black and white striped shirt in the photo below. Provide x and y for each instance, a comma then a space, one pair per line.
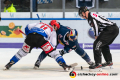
98, 22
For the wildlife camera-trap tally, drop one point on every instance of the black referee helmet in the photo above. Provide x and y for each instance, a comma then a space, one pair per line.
82, 9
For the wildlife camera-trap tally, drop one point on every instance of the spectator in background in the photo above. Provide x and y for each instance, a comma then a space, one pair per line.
9, 6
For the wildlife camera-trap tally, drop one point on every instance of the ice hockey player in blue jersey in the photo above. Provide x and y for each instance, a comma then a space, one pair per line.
43, 36
68, 38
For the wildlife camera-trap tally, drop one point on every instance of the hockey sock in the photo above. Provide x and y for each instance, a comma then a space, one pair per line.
82, 53
60, 60
15, 59
42, 56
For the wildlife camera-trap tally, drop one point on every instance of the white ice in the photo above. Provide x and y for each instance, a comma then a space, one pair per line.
50, 70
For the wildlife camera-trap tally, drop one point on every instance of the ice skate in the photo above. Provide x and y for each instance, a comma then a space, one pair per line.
7, 67
37, 64
69, 67
91, 63
109, 64
95, 68
66, 67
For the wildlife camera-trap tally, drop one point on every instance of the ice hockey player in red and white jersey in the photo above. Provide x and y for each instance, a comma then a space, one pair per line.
39, 35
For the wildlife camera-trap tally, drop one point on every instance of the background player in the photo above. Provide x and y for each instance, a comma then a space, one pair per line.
105, 32
68, 38
39, 35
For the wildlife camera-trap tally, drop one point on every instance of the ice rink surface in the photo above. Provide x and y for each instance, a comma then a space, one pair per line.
50, 70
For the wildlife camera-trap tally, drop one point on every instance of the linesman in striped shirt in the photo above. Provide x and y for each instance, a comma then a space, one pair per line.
105, 33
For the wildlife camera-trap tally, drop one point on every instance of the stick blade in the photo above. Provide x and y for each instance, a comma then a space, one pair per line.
74, 64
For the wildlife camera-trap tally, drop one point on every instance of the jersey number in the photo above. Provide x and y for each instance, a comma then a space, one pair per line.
45, 26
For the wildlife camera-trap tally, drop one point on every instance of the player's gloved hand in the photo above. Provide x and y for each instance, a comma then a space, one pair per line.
65, 50
62, 52
74, 47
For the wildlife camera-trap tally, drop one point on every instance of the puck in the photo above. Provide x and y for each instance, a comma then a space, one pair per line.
81, 68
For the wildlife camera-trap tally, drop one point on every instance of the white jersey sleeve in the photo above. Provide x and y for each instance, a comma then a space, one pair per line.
53, 38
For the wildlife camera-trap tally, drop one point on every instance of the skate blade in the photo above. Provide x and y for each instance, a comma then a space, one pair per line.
35, 67
96, 70
74, 64
110, 67
4, 69
69, 70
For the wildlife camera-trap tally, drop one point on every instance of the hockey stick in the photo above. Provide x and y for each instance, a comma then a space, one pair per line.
22, 32
38, 17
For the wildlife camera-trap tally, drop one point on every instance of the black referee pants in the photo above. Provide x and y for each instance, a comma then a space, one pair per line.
101, 44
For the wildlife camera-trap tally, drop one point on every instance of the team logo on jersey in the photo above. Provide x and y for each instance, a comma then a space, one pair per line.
26, 47
72, 74
91, 33
73, 34
47, 47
